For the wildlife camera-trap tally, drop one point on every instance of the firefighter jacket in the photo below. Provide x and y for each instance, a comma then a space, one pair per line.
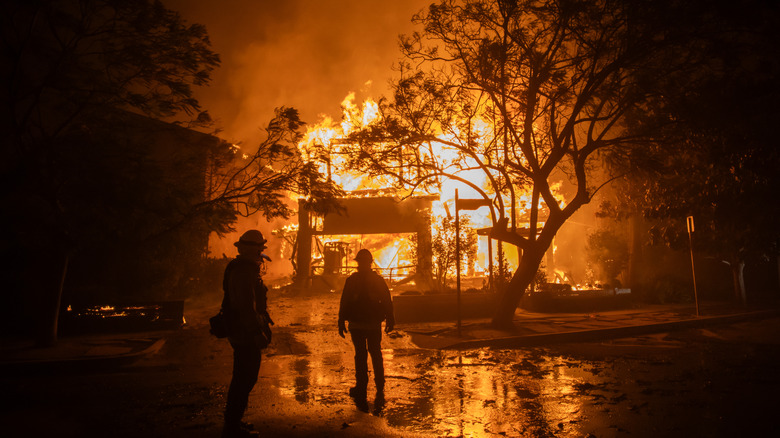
366, 301
245, 303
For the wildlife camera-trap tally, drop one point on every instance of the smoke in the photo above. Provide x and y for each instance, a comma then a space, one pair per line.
310, 54
307, 54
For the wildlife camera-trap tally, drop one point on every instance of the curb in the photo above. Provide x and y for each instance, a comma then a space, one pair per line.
607, 333
80, 363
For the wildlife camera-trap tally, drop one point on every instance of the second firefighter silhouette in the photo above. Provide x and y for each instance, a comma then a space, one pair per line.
365, 303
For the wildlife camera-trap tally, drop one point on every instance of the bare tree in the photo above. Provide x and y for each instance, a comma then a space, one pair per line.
244, 184
527, 93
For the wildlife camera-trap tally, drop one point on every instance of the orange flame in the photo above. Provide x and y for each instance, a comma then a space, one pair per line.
323, 144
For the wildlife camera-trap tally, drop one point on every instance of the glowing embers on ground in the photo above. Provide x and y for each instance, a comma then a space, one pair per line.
133, 316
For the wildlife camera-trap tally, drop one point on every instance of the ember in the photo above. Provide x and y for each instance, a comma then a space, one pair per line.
160, 315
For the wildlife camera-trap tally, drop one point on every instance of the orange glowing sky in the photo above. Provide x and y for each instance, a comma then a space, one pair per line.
307, 54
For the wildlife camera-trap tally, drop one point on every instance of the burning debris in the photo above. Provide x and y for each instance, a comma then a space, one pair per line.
160, 315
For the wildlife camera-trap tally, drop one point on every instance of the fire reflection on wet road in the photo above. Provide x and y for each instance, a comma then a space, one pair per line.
712, 382
477, 393
666, 384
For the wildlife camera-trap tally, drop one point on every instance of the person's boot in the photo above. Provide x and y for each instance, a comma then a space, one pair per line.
380, 389
246, 426
240, 430
359, 397
356, 392
379, 401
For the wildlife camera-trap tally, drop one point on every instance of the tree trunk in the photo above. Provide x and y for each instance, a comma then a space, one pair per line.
50, 285
303, 249
737, 272
513, 293
635, 253
533, 252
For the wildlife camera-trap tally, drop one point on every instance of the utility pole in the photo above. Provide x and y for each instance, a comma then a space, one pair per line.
463, 204
689, 220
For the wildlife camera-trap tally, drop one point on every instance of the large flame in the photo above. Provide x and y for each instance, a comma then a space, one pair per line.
324, 143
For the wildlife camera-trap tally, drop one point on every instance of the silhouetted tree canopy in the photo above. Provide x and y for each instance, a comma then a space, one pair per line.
97, 173
713, 151
70, 67
527, 94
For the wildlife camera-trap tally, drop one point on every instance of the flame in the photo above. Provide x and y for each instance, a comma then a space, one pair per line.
392, 252
323, 144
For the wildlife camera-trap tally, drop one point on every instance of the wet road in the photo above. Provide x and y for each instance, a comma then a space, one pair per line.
705, 382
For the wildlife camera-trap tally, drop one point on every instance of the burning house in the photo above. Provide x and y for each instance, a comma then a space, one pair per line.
401, 229
365, 216
396, 226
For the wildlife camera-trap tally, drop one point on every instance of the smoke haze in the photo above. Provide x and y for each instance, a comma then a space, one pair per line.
305, 54
310, 54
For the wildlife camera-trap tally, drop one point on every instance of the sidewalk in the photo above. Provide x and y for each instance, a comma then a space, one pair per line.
534, 329
79, 353
83, 353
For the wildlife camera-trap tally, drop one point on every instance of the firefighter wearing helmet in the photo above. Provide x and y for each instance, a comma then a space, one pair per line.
245, 307
365, 303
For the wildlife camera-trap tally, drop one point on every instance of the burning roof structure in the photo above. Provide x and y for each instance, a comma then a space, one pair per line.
392, 221
373, 216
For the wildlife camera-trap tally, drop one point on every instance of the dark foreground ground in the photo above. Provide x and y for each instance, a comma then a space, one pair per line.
719, 381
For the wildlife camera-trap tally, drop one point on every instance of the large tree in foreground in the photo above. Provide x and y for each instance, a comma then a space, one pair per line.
511, 98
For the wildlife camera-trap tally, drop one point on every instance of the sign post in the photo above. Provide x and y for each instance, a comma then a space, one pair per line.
457, 256
689, 220
462, 204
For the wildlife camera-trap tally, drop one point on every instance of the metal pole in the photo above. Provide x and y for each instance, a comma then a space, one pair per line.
693, 271
491, 280
457, 255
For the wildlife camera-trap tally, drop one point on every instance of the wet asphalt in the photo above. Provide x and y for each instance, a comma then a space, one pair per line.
707, 381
